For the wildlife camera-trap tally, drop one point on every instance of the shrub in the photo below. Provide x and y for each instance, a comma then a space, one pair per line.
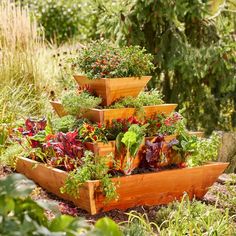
60, 19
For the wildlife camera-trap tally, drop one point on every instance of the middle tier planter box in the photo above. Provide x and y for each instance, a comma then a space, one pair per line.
107, 115
111, 89
142, 189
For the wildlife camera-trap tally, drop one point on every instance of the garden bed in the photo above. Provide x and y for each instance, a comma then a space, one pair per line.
135, 190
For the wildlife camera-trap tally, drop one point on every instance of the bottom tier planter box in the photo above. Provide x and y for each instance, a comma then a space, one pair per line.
142, 189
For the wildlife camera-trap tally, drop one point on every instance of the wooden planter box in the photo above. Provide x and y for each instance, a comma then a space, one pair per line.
58, 108
112, 89
135, 190
107, 115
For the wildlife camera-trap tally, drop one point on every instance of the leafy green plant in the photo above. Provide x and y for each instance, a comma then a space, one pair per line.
130, 143
101, 59
77, 104
20, 215
206, 149
93, 168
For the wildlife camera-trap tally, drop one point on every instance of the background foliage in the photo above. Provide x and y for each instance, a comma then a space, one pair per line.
194, 47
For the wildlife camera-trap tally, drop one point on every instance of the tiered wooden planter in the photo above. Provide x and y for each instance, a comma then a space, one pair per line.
135, 190
107, 115
142, 189
112, 89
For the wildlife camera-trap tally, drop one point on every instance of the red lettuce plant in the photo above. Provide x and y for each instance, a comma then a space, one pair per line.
159, 154
33, 130
64, 150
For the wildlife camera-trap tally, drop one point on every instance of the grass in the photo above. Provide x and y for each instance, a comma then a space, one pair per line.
27, 69
182, 218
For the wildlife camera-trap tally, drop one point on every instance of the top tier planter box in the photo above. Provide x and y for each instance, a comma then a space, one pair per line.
111, 89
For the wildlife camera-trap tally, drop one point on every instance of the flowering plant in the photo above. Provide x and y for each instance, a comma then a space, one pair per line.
104, 60
92, 133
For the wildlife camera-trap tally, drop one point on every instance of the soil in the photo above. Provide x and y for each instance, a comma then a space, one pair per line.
66, 207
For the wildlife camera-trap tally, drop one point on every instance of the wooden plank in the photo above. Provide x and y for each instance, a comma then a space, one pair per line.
161, 187
107, 115
111, 89
52, 180
59, 109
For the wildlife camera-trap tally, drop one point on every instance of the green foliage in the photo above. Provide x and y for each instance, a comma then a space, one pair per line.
132, 139
130, 143
227, 198
64, 124
78, 104
193, 48
93, 168
149, 98
10, 155
60, 19
194, 218
203, 150
139, 225
105, 60
20, 215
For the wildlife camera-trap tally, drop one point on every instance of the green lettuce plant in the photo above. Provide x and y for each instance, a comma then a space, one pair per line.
130, 143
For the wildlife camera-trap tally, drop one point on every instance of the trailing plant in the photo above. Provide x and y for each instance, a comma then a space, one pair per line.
93, 168
128, 145
101, 59
77, 104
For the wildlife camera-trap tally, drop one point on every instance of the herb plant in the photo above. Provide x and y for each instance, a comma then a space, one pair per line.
64, 124
206, 149
93, 168
77, 104
104, 60
149, 98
